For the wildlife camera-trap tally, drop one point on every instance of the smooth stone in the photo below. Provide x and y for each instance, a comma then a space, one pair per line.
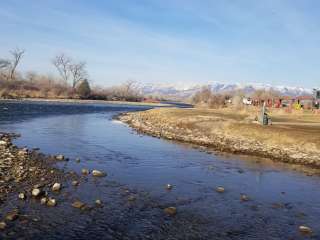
75, 183
43, 201
3, 225
131, 198
13, 215
36, 192
22, 196
97, 173
305, 229
85, 171
60, 157
56, 187
220, 189
78, 204
171, 211
51, 202
244, 198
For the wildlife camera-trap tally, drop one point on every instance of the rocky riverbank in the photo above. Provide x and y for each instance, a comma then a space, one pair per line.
237, 135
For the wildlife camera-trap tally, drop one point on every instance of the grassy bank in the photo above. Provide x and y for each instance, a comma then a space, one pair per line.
293, 138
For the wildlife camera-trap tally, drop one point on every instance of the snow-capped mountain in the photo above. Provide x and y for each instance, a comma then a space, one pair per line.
181, 91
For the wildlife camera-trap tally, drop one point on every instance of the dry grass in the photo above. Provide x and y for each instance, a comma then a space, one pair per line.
300, 130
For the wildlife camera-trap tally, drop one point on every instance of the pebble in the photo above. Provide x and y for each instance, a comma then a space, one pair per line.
78, 204
43, 201
75, 183
244, 198
56, 187
97, 173
22, 196
131, 198
51, 202
13, 215
36, 192
305, 229
171, 211
98, 202
3, 225
85, 171
60, 157
220, 189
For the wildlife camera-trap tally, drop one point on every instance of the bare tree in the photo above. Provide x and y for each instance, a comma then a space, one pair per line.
78, 72
62, 64
17, 55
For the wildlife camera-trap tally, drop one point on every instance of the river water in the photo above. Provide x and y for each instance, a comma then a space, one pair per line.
282, 197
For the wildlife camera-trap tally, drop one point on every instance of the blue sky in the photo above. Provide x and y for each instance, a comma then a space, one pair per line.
170, 41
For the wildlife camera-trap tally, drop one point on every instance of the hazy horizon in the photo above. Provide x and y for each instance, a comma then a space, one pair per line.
170, 42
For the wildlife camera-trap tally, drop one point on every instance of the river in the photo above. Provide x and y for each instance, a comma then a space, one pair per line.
281, 197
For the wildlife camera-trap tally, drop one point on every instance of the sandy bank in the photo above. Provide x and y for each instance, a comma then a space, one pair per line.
235, 132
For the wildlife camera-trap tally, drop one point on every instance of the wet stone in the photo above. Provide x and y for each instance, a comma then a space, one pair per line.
97, 173
131, 198
85, 171
51, 202
43, 201
305, 229
244, 198
75, 183
36, 192
171, 211
13, 215
3, 225
60, 157
56, 187
22, 196
220, 189
78, 204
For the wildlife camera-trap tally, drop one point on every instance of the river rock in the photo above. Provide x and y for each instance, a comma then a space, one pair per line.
97, 173
3, 225
36, 192
75, 183
43, 201
169, 186
131, 198
78, 204
51, 202
244, 198
220, 189
305, 229
85, 171
13, 215
56, 187
22, 196
171, 211
60, 157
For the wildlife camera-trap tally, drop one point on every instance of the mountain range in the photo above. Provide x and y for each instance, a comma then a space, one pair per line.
172, 91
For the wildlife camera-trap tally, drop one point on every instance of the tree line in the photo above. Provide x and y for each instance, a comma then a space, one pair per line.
72, 81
